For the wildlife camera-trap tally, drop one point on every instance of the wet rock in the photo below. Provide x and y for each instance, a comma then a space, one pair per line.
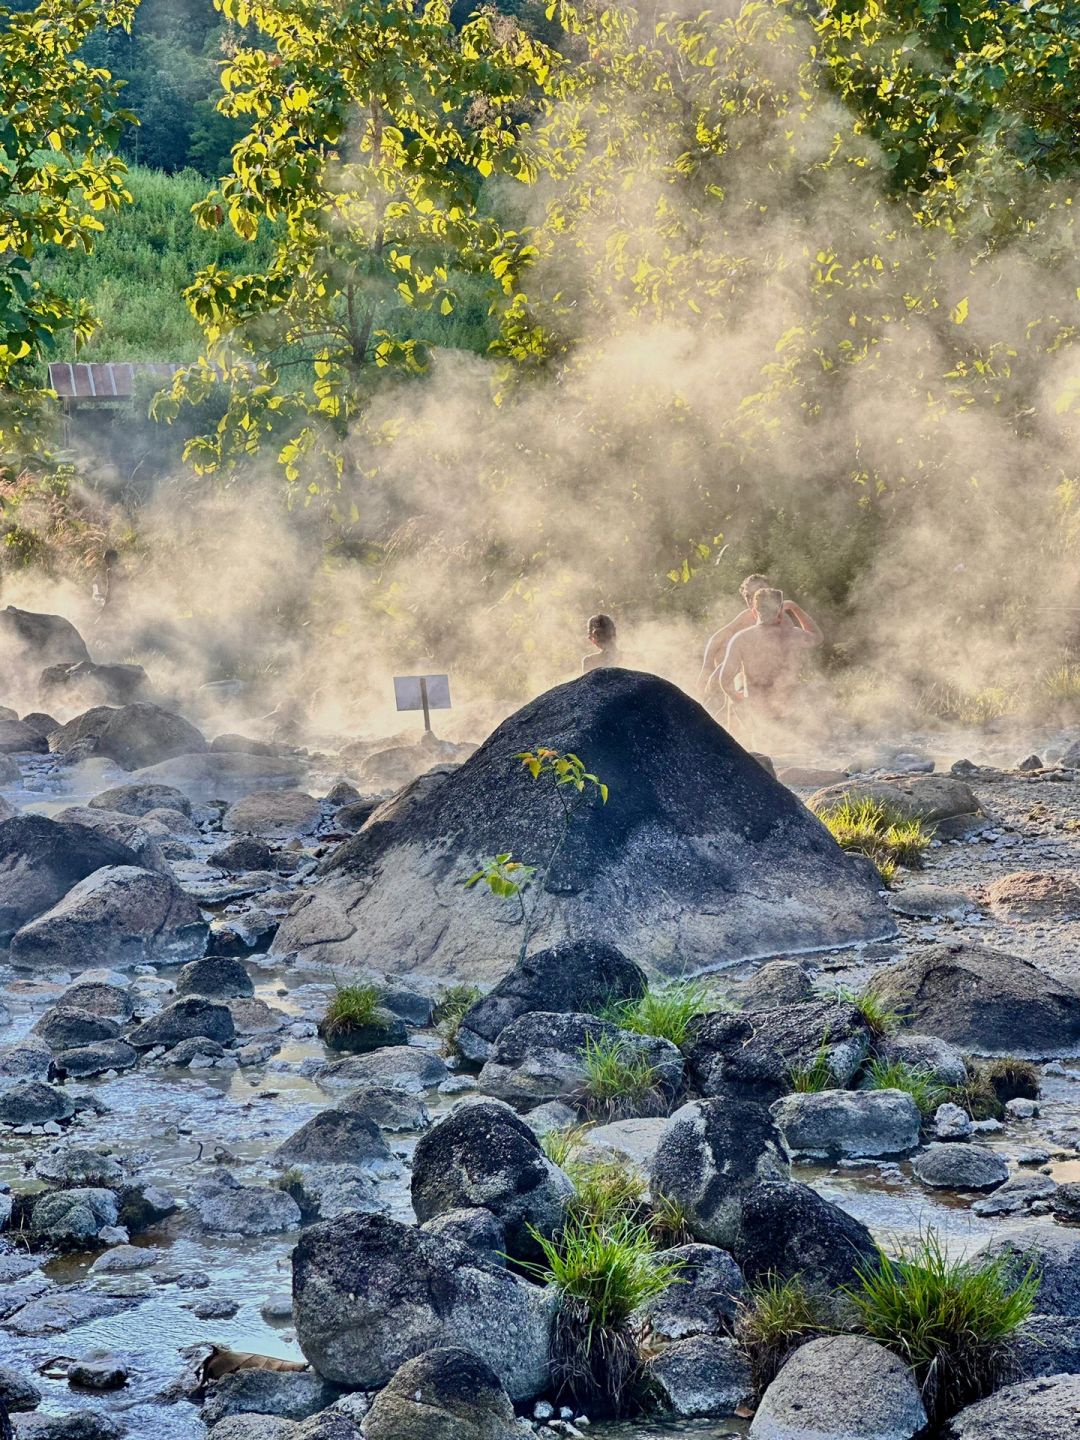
930, 798
216, 976
578, 976
1046, 1409
78, 1425
87, 683
703, 1301
243, 853
214, 1307
541, 1056
952, 1123
19, 739
198, 1048
135, 736
58, 1312
703, 1375
41, 723
121, 915
7, 812
960, 1167
101, 992
385, 1028
225, 1207
18, 1391
389, 1109
32, 1102
126, 1259
98, 1371
848, 1122
754, 1053
369, 1293
711, 1154
331, 1424
65, 1026
1017, 1194
129, 830
476, 1229
40, 860
288, 1394
274, 813
187, 1018
253, 1427
252, 1016
925, 1052
72, 1219
484, 1155
401, 1067
1065, 1202
97, 1059
985, 1001
443, 1393
842, 1385
1034, 895
335, 1137
1055, 1252
75, 1165
29, 1059
325, 1191
779, 983
140, 799
702, 849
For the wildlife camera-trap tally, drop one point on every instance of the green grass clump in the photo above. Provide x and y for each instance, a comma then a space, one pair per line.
606, 1190
927, 1092
885, 836
450, 1011
774, 1319
619, 1083
602, 1272
1063, 683
352, 1007
977, 1095
669, 1222
559, 1144
815, 1077
951, 1322
880, 1017
667, 1011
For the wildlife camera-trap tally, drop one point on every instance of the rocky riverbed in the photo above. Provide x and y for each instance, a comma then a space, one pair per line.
173, 1128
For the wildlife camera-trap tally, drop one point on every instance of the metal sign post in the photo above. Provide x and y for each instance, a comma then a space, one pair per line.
422, 692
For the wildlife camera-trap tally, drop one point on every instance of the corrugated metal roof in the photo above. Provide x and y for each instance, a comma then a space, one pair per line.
104, 381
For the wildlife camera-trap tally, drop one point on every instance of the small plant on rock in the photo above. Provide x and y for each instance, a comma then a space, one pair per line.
603, 1272
815, 1077
774, 1319
352, 1007
450, 1010
618, 1082
572, 787
881, 1019
606, 1190
952, 1322
885, 836
668, 1222
667, 1011
559, 1145
927, 1092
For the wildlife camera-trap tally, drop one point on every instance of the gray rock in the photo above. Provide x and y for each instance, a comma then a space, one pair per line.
335, 1137
401, 1067
65, 1026
1045, 1409
369, 1293
482, 1154
541, 1056
141, 799
476, 1229
985, 1001
134, 736
78, 1425
849, 1122
389, 1109
184, 1020
931, 902
125, 1259
244, 853
28, 1059
384, 1028
960, 1167
444, 1394
631, 1142
101, 992
930, 798
711, 1154
925, 1052
72, 1219
841, 1386
578, 976
57, 1313
128, 830
40, 861
219, 977
1017, 1194
703, 1301
86, 1060
952, 1123
1065, 1201
1054, 1250
753, 1054
253, 1427
1047, 1345
121, 916
76, 1165
234, 1209
289, 1394
703, 1375
33, 1103
18, 1391
779, 983
98, 1371
274, 813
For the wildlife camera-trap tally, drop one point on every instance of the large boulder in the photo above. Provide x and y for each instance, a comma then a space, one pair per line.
183, 1020
985, 1001
32, 1102
705, 1299
710, 1156
141, 799
485, 1155
40, 860
370, 1293
19, 739
273, 812
831, 1123
705, 1375
957, 1166
1054, 1250
699, 856
134, 736
86, 683
841, 1386
29, 641
445, 1394
72, 1219
335, 1137
1044, 1409
756, 1052
64, 1026
206, 776
129, 830
581, 975
542, 1056
120, 916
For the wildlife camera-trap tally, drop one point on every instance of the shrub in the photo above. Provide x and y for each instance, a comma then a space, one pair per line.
1013, 1079
603, 1273
927, 1092
352, 1007
951, 1322
450, 1010
885, 836
667, 1012
774, 1319
619, 1083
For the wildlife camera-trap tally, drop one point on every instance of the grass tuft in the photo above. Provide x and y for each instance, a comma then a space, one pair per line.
559, 1144
885, 836
450, 1011
619, 1083
927, 1092
1013, 1079
774, 1318
815, 1077
976, 1095
667, 1011
951, 1322
352, 1007
669, 1222
606, 1190
881, 1019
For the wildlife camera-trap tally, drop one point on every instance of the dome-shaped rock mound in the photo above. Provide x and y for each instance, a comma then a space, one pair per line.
699, 859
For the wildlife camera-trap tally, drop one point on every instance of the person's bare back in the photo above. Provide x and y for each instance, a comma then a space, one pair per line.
769, 654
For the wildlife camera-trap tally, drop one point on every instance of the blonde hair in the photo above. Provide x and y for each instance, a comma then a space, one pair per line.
751, 585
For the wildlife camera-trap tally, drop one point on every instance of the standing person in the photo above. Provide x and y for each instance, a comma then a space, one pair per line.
602, 635
716, 649
767, 656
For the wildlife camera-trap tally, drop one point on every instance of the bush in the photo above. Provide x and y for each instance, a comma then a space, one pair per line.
775, 1318
885, 836
449, 1012
603, 1273
352, 1007
927, 1092
667, 1012
619, 1083
951, 1322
